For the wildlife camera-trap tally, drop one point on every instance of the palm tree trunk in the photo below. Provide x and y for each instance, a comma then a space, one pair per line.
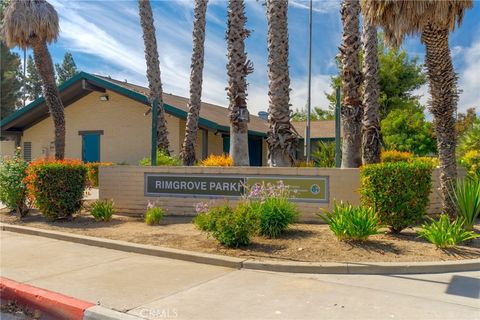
282, 138
351, 80
443, 89
196, 79
238, 67
153, 71
371, 143
44, 65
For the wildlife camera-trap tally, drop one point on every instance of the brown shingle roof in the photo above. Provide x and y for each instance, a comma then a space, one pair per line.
318, 129
208, 111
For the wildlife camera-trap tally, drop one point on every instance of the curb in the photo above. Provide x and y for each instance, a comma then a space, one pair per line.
53, 305
275, 266
205, 258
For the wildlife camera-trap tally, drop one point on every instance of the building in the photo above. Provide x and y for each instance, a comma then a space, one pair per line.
106, 121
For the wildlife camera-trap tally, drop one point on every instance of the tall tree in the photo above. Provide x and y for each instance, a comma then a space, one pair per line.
371, 143
238, 67
407, 130
316, 114
11, 80
33, 82
399, 76
153, 72
282, 138
67, 69
465, 121
196, 80
433, 20
351, 80
34, 23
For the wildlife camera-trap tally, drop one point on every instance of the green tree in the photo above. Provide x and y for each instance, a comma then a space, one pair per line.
33, 82
407, 130
399, 76
11, 80
465, 121
316, 114
67, 69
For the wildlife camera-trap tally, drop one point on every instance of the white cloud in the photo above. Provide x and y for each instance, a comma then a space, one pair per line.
258, 95
469, 81
320, 6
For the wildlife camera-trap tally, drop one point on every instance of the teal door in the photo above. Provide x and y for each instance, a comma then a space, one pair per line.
91, 147
255, 151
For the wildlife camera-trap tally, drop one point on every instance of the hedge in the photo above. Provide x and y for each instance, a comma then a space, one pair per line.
57, 186
399, 191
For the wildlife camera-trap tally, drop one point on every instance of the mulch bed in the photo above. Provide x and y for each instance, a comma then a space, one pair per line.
302, 242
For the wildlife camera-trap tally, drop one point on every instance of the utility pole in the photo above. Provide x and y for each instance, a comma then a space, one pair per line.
338, 152
309, 98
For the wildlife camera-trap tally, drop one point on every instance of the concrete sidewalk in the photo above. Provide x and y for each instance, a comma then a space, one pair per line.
158, 288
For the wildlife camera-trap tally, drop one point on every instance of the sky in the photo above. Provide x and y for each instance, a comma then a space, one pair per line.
105, 38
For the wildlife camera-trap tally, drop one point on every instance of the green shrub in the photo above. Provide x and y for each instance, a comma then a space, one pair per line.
102, 210
206, 218
466, 196
230, 227
271, 205
92, 173
444, 233
13, 191
324, 155
163, 159
399, 191
154, 215
274, 216
57, 187
348, 222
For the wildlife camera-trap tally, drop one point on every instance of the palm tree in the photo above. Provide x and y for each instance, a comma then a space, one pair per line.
282, 137
371, 125
351, 81
34, 23
433, 20
196, 79
153, 72
238, 67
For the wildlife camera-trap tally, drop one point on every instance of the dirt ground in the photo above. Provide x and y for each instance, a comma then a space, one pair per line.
302, 242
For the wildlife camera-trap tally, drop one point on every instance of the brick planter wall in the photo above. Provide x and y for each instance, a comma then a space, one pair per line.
125, 186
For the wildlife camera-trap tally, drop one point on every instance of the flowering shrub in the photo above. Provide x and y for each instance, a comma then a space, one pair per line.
213, 160
428, 160
13, 191
154, 214
271, 205
56, 186
395, 156
92, 173
471, 161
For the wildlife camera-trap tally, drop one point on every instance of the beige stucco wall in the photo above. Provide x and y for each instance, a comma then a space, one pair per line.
125, 185
7, 149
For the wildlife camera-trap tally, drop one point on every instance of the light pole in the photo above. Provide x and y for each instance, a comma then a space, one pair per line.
309, 98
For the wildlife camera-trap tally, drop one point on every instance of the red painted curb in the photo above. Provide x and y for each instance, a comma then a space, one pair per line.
49, 303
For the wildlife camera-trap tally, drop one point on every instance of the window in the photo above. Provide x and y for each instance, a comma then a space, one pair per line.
27, 151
